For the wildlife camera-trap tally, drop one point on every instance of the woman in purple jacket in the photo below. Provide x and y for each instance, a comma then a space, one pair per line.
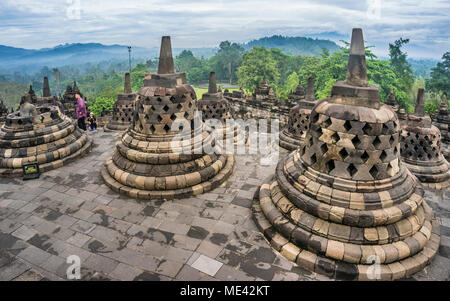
81, 112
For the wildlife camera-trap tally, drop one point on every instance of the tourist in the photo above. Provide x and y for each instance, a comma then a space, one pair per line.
92, 122
81, 112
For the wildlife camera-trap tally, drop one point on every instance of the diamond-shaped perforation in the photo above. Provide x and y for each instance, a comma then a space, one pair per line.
313, 159
330, 165
356, 142
383, 155
166, 128
324, 148
373, 171
391, 141
385, 129
327, 122
352, 170
376, 142
173, 117
367, 129
335, 137
365, 156
343, 153
348, 125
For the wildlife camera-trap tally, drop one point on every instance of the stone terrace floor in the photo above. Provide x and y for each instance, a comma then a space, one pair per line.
69, 211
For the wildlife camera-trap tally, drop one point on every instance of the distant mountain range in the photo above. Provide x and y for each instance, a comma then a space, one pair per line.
29, 60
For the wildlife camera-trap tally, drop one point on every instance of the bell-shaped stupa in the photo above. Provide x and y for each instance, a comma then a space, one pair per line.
69, 102
47, 99
42, 135
214, 106
123, 108
344, 201
421, 148
443, 124
391, 101
161, 155
298, 123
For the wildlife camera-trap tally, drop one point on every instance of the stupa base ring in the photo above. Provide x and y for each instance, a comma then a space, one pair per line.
115, 127
435, 177
289, 141
186, 192
18, 172
337, 269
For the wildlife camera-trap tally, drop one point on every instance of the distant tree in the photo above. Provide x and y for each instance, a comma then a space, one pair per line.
291, 82
309, 67
439, 81
257, 64
152, 65
401, 68
99, 103
227, 60
197, 70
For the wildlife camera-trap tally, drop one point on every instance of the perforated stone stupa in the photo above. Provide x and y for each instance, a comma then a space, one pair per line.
69, 102
47, 99
147, 163
214, 106
293, 134
443, 124
39, 134
421, 148
344, 200
391, 101
3, 112
264, 92
123, 108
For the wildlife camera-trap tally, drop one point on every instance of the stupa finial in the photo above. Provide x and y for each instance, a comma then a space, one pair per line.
357, 69
420, 103
212, 83
166, 65
46, 88
127, 84
310, 93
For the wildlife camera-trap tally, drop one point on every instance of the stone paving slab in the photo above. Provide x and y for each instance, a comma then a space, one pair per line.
69, 211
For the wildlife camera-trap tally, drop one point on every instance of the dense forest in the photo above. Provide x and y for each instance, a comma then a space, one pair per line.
235, 67
293, 45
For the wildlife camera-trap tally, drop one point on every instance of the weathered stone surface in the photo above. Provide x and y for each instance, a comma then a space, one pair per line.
161, 154
421, 148
39, 134
372, 207
123, 111
293, 135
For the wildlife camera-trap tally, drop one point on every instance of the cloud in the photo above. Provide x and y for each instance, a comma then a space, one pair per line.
204, 23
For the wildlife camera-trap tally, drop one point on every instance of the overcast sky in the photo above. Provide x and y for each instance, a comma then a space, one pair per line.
204, 23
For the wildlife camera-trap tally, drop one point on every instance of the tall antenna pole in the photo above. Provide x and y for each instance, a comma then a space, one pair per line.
129, 57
